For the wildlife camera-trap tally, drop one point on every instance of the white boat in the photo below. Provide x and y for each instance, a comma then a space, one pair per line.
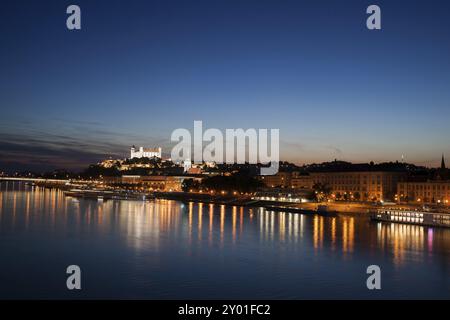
423, 218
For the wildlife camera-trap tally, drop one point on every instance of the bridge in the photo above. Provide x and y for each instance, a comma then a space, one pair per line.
39, 180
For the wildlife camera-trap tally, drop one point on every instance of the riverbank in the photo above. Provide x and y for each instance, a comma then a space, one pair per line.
350, 208
219, 199
239, 200
347, 208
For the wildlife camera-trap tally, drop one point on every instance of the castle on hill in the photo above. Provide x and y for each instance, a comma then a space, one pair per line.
145, 152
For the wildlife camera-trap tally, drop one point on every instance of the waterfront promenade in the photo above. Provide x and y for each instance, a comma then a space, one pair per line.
89, 189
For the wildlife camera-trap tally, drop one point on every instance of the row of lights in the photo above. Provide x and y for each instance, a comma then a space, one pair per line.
420, 200
439, 201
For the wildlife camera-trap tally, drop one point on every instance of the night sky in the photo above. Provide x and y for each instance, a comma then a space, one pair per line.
140, 69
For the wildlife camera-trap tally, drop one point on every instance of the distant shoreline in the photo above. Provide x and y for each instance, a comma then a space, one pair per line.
342, 208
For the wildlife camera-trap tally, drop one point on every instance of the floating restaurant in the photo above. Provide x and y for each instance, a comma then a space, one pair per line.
423, 218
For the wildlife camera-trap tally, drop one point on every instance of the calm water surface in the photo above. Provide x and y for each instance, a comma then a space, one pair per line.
171, 250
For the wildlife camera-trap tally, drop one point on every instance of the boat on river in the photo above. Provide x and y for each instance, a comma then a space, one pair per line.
416, 217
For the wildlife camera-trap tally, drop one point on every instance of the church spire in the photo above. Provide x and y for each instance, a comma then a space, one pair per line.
443, 163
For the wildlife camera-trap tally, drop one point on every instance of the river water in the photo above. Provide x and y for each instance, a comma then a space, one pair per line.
170, 250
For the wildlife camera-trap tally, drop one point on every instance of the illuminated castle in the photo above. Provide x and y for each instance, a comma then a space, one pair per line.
145, 152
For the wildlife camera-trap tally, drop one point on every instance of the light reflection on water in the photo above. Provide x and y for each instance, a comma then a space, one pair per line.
167, 249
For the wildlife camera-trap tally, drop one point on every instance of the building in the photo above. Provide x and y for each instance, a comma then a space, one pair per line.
279, 180
283, 195
435, 190
110, 163
289, 180
187, 164
145, 152
431, 191
194, 170
442, 173
358, 182
151, 183
364, 185
301, 181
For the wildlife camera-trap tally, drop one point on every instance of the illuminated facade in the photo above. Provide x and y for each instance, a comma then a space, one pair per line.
301, 181
432, 191
145, 152
152, 183
364, 186
279, 180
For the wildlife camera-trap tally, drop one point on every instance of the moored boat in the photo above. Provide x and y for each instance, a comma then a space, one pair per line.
324, 210
423, 218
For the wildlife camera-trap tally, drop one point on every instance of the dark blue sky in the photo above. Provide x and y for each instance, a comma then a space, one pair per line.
140, 69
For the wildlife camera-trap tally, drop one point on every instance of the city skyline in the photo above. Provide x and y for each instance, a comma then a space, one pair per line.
136, 72
220, 157
159, 153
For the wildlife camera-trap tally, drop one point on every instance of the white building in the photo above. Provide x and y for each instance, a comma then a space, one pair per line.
187, 164
145, 152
